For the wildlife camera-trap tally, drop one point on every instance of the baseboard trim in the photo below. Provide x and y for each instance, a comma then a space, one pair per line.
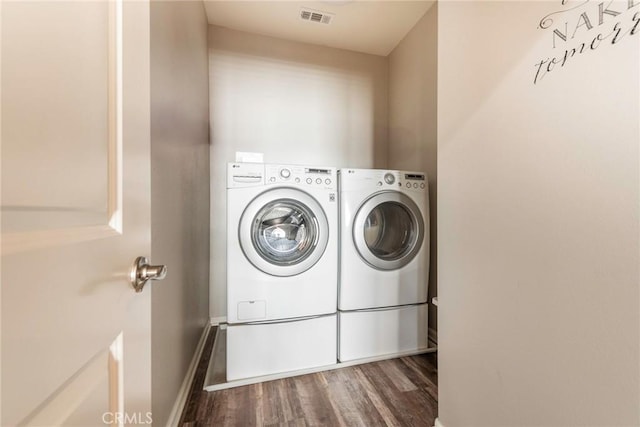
438, 423
185, 388
215, 321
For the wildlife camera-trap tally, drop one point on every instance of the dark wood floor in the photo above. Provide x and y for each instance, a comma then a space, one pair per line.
397, 392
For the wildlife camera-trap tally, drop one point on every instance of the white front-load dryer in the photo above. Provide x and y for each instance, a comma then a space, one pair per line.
384, 263
282, 268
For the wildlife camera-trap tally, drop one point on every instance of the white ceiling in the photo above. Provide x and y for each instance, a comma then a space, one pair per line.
374, 27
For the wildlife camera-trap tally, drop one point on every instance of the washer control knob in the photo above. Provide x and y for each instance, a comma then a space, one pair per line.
309, 181
415, 185
389, 178
422, 185
285, 173
272, 179
318, 180
379, 183
297, 179
327, 181
408, 185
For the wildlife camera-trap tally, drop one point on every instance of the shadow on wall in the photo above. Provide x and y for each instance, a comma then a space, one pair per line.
297, 103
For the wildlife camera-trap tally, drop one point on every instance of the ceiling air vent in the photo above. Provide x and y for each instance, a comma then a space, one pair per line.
315, 16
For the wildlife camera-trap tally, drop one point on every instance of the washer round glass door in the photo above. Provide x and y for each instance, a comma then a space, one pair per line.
283, 232
388, 230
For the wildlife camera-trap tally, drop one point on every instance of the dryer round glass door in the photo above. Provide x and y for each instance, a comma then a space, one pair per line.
388, 230
283, 232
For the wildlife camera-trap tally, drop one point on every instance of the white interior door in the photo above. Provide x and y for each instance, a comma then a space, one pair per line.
75, 212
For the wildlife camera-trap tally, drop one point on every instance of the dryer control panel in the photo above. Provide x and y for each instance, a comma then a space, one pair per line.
357, 179
302, 176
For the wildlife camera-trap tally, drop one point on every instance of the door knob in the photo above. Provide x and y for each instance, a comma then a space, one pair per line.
142, 272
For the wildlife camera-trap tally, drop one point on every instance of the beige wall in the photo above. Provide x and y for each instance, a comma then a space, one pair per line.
412, 117
296, 103
180, 192
538, 218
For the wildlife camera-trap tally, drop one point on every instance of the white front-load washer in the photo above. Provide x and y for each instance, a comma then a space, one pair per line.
384, 263
282, 268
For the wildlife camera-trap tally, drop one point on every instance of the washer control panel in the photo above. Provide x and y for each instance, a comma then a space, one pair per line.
303, 176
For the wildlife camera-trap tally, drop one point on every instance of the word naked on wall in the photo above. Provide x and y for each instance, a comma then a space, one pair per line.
585, 26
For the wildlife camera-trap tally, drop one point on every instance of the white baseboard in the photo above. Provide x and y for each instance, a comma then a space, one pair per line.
185, 388
215, 321
438, 423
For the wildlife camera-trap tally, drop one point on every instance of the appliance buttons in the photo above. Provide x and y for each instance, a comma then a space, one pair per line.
379, 183
272, 179
408, 185
415, 185
309, 181
285, 173
318, 180
297, 179
389, 178
327, 181
422, 185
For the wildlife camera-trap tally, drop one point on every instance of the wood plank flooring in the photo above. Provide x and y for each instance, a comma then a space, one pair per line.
396, 392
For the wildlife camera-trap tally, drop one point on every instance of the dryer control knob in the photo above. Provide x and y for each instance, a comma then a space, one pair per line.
389, 178
285, 173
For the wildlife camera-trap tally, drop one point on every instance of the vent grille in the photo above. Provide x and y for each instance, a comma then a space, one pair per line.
315, 16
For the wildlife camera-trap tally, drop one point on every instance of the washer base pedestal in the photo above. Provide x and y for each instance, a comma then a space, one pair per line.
269, 348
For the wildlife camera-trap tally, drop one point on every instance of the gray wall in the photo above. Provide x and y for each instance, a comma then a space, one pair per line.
296, 103
538, 209
413, 119
180, 192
